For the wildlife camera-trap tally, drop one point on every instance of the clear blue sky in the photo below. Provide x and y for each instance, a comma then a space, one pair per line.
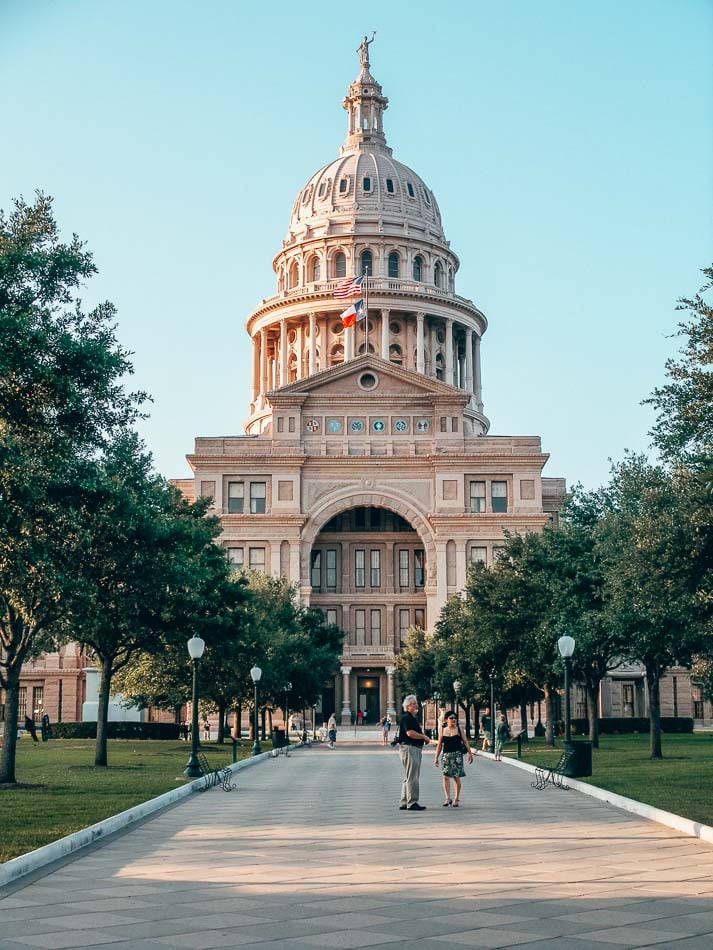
570, 146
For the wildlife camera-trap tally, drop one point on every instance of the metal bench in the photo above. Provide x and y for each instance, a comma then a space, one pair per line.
211, 776
553, 774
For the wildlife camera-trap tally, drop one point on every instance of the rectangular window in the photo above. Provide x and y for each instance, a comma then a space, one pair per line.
697, 697
359, 568
419, 568
316, 569
499, 495
375, 626
235, 558
376, 568
390, 185
403, 568
332, 617
22, 708
236, 498
478, 555
257, 498
419, 617
444, 424
359, 626
628, 700
477, 497
38, 700
498, 551
332, 569
280, 424
404, 621
256, 559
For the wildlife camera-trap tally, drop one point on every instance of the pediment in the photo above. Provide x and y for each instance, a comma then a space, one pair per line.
351, 379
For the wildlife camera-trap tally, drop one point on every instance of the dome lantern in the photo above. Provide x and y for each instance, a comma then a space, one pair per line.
366, 105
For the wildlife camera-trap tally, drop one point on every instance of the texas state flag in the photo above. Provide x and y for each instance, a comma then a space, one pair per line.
353, 314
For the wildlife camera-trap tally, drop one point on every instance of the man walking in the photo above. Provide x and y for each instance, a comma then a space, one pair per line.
411, 739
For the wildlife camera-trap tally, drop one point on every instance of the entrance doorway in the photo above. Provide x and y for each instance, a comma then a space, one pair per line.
368, 698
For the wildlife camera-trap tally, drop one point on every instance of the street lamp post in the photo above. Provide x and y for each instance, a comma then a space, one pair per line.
492, 709
288, 687
436, 698
255, 674
314, 722
456, 690
565, 645
196, 646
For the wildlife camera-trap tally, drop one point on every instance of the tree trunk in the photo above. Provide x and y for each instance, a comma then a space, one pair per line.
237, 722
523, 721
592, 690
653, 679
550, 709
177, 714
9, 745
221, 723
100, 750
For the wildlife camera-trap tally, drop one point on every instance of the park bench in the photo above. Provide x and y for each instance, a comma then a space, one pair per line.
553, 774
213, 776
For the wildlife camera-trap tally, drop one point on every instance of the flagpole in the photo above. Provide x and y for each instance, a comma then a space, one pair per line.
366, 313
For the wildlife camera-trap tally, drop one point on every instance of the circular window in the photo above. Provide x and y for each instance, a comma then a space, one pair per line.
441, 336
395, 327
292, 336
336, 328
368, 381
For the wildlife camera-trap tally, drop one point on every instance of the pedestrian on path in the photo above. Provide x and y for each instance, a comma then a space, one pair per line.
206, 729
331, 732
31, 728
412, 739
502, 734
452, 743
385, 727
485, 729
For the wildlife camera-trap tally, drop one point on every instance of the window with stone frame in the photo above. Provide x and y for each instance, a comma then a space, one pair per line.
340, 265
359, 568
331, 569
404, 623
359, 627
477, 497
419, 568
375, 625
236, 498
367, 263
418, 268
393, 264
236, 558
478, 554
499, 496
316, 569
258, 495
256, 559
375, 578
403, 568
419, 618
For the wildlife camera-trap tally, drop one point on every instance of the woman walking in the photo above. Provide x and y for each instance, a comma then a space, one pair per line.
332, 732
452, 743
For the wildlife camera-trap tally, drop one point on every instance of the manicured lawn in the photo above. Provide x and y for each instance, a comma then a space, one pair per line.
63, 792
681, 782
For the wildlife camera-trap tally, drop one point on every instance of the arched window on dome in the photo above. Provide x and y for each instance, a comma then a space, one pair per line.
418, 268
362, 349
395, 354
393, 264
292, 368
340, 265
367, 263
451, 282
440, 366
294, 275
438, 274
315, 270
337, 355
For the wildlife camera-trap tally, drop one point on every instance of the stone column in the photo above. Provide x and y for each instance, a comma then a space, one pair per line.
263, 362
434, 350
478, 389
449, 351
283, 353
255, 387
420, 353
385, 335
390, 700
300, 348
346, 698
469, 360
312, 343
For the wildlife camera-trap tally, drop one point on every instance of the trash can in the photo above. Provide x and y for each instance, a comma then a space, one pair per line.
278, 739
580, 763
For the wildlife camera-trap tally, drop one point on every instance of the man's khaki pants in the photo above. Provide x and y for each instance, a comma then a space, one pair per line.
411, 761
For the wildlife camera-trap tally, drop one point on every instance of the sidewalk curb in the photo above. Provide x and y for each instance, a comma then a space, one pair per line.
34, 860
693, 828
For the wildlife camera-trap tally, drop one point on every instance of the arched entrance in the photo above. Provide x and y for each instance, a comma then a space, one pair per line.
367, 573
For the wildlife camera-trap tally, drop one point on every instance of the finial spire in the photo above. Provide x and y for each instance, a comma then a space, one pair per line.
363, 50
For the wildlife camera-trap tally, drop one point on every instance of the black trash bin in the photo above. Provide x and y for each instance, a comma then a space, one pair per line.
279, 740
580, 763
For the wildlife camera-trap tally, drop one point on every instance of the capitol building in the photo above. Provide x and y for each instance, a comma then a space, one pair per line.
367, 474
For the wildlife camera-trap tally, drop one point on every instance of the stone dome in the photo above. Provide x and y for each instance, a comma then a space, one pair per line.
365, 182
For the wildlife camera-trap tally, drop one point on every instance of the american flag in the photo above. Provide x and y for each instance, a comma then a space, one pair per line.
351, 287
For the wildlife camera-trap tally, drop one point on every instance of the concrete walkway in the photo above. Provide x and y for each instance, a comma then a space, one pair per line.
312, 851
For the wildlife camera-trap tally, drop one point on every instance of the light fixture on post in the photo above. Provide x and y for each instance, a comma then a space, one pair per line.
196, 646
456, 690
436, 698
314, 722
288, 687
492, 710
255, 674
565, 645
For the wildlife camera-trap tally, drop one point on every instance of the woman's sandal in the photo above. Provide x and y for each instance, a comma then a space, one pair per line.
455, 803
446, 803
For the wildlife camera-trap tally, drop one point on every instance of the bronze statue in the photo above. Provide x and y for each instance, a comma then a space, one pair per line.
363, 50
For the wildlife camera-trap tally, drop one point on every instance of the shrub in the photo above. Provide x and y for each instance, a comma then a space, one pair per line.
116, 730
627, 724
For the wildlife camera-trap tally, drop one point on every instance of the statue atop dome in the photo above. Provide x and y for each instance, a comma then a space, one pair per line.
363, 50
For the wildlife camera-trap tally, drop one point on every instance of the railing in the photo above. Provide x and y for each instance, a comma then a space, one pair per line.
376, 285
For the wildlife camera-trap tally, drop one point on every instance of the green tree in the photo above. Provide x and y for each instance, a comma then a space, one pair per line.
61, 401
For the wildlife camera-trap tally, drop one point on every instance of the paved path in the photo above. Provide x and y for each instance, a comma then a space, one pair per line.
312, 851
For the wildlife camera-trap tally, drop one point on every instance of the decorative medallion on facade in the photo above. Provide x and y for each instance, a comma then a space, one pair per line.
334, 425
356, 425
401, 425
378, 425
312, 425
423, 425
